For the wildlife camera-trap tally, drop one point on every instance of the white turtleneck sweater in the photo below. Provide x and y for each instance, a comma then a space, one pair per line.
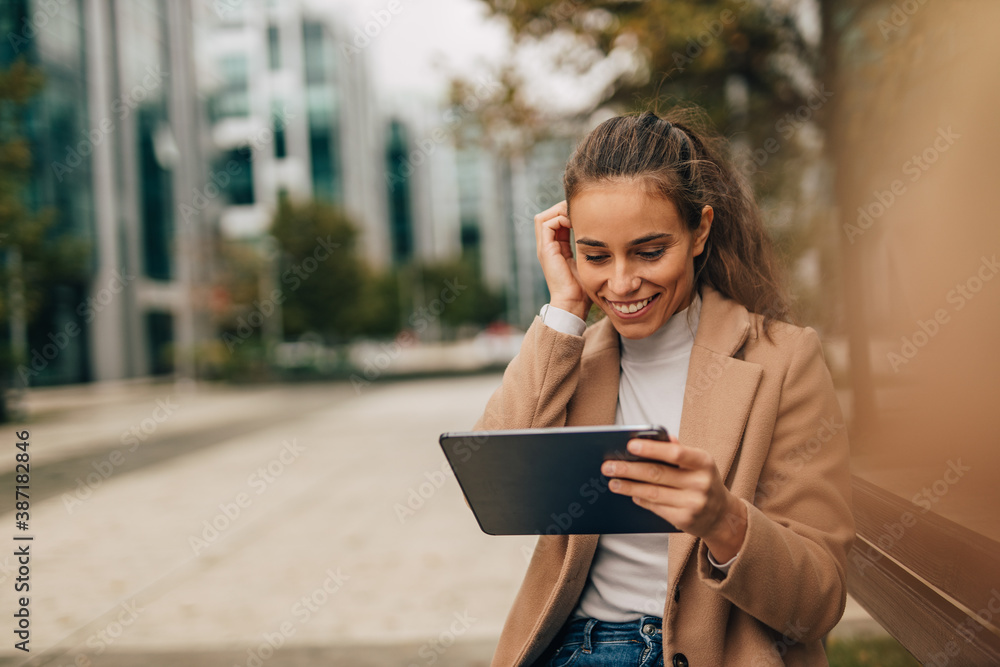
628, 576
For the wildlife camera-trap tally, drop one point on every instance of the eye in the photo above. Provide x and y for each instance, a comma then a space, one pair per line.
595, 258
652, 254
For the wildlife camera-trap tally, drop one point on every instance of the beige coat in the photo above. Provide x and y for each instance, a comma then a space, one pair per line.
768, 414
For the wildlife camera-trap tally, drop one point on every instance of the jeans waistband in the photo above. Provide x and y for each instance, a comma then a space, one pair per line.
648, 629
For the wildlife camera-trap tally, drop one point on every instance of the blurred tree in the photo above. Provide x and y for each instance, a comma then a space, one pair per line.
322, 277
379, 306
35, 256
452, 294
746, 63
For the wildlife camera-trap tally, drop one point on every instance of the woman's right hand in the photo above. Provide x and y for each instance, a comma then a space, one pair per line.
555, 253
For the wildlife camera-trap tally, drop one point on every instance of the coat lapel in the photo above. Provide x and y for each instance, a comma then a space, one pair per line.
718, 396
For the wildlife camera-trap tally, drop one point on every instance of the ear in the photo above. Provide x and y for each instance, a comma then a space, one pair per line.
700, 235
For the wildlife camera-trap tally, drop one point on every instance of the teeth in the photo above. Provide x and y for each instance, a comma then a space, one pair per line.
631, 308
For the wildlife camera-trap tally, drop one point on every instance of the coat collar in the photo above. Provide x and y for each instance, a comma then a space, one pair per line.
719, 393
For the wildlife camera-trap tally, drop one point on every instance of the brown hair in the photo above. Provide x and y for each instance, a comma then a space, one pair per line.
671, 159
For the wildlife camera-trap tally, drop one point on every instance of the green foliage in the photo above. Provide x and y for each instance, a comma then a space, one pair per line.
322, 276
869, 652
331, 292
458, 280
690, 49
378, 309
34, 256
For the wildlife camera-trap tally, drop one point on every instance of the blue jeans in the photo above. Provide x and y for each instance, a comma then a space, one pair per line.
588, 642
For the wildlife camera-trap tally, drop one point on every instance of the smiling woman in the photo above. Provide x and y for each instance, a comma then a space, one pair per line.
671, 248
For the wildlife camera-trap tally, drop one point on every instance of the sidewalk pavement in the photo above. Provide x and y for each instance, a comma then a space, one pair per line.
315, 518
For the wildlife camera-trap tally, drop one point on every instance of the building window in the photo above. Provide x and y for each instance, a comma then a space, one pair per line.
312, 45
238, 164
278, 121
273, 47
400, 213
233, 97
321, 154
155, 189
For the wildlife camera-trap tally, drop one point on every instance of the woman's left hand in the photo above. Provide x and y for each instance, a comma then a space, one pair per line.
689, 493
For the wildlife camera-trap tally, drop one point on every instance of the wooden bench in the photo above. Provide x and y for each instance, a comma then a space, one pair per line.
932, 584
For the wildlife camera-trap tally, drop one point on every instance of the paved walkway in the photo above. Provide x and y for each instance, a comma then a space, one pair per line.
206, 525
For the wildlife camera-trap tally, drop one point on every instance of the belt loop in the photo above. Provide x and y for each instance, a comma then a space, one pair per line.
586, 635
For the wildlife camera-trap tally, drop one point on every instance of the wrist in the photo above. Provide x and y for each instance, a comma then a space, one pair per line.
727, 539
579, 308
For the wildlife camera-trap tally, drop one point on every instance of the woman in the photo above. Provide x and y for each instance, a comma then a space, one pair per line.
670, 246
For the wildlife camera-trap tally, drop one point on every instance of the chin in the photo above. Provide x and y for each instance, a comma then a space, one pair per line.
633, 332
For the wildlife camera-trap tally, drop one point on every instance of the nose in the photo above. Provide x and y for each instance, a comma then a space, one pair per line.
624, 281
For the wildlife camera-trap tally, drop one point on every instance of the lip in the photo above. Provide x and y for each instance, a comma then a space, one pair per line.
637, 314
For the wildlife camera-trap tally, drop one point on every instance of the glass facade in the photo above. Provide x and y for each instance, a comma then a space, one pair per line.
57, 187
322, 112
233, 96
398, 172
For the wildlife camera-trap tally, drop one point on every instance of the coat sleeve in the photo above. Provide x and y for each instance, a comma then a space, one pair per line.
791, 571
537, 383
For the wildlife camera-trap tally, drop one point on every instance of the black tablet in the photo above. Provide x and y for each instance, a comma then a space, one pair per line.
548, 481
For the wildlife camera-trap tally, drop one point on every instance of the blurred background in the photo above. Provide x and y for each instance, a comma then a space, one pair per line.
257, 255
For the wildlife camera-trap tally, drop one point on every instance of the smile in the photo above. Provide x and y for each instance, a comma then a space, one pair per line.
632, 307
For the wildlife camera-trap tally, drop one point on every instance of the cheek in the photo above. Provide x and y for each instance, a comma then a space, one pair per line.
590, 277
672, 271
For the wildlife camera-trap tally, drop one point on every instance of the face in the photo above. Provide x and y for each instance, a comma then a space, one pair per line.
634, 253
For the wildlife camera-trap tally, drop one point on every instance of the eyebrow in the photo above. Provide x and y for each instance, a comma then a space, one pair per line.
635, 242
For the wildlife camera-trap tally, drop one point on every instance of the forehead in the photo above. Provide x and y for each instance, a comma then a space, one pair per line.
621, 210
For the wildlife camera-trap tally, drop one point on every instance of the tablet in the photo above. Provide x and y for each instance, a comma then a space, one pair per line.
548, 481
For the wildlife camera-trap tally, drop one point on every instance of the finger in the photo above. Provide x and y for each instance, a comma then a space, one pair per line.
557, 229
557, 222
653, 493
653, 473
555, 209
671, 452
